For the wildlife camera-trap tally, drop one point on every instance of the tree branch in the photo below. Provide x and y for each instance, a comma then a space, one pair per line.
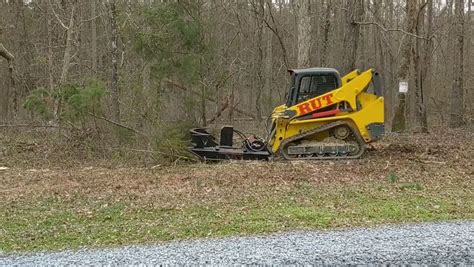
7, 55
57, 16
362, 23
184, 88
277, 34
117, 124
224, 106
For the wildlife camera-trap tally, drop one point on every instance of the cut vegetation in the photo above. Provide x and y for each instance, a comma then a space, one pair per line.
403, 179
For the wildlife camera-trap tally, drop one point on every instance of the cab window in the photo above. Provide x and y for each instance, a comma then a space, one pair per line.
315, 85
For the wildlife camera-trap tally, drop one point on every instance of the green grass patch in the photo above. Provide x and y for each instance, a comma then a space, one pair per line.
52, 223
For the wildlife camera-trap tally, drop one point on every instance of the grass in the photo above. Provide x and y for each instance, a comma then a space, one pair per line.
407, 178
58, 219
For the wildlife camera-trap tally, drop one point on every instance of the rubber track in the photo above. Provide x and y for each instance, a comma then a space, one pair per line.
325, 127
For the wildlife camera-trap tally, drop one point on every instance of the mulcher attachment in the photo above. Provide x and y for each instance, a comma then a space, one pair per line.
206, 147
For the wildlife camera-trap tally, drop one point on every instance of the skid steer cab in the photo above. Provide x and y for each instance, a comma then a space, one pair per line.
325, 116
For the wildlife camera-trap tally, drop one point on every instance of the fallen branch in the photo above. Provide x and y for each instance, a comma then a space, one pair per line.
155, 152
27, 125
117, 124
386, 166
433, 162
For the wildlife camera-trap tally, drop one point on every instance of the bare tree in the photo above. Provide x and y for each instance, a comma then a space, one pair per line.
70, 32
67, 57
425, 51
10, 58
259, 11
326, 28
114, 89
268, 69
354, 12
457, 94
304, 33
94, 36
400, 116
49, 30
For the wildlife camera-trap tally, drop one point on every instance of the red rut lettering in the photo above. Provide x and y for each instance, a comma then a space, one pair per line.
315, 104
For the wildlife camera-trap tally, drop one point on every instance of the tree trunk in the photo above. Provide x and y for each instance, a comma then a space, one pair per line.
259, 59
416, 97
380, 55
50, 50
400, 116
354, 13
68, 49
67, 57
326, 28
456, 118
426, 68
94, 37
390, 69
10, 59
203, 106
304, 33
469, 32
268, 69
114, 89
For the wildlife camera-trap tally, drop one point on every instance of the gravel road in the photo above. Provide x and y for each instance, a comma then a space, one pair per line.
433, 243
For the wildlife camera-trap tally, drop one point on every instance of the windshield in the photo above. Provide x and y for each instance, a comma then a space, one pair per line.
315, 85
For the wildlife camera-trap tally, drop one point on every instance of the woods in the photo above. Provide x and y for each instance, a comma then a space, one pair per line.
151, 66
